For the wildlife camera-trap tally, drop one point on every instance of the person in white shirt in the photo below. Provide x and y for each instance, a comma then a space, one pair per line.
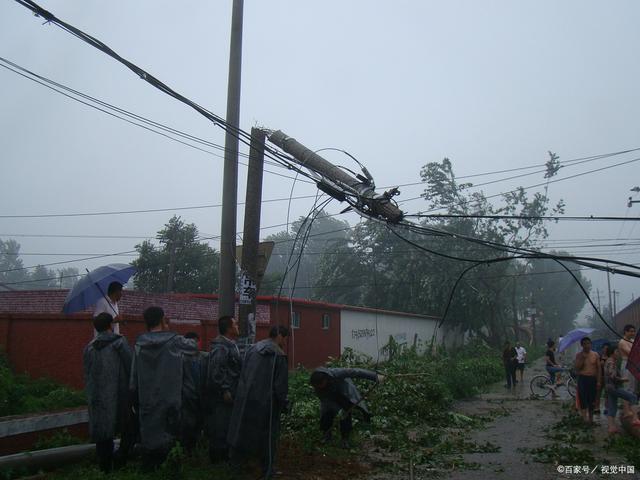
109, 304
522, 359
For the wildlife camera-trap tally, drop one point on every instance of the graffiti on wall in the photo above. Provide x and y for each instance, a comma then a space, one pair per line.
363, 333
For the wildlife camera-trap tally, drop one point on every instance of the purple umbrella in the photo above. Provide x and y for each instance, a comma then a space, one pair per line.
94, 285
572, 337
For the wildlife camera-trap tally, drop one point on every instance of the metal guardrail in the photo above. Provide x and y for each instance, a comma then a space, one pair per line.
11, 426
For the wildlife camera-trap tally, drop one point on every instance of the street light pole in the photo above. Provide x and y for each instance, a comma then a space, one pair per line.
227, 278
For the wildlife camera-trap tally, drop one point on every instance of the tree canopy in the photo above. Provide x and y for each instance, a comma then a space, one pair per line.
15, 276
395, 268
180, 263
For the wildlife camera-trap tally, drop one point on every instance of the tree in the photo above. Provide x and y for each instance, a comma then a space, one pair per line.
375, 267
180, 263
296, 254
12, 270
15, 276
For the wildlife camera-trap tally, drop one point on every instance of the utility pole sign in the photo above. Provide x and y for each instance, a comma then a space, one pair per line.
248, 289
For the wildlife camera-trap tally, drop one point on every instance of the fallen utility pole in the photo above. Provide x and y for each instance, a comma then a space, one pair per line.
339, 184
251, 233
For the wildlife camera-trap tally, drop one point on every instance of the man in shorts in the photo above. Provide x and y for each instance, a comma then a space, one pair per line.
589, 378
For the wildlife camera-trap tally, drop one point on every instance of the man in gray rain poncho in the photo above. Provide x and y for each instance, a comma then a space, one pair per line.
157, 384
260, 399
337, 393
223, 372
107, 365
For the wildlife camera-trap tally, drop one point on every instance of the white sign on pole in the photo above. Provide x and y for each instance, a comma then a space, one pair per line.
247, 289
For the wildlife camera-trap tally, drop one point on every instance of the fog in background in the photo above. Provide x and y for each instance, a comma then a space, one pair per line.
491, 85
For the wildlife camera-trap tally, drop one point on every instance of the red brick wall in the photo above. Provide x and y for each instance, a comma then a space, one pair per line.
310, 345
46, 345
41, 341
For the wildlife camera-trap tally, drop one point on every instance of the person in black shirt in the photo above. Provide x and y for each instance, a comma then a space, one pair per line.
510, 359
551, 365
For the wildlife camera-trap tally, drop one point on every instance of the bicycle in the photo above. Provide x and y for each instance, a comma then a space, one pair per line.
541, 385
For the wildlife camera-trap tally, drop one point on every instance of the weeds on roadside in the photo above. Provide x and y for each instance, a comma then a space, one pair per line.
625, 445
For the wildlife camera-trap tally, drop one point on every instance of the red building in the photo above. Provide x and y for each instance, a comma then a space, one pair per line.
628, 315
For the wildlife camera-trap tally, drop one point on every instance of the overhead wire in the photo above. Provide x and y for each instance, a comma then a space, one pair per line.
151, 125
276, 155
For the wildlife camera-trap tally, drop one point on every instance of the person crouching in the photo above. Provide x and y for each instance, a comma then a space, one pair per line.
337, 392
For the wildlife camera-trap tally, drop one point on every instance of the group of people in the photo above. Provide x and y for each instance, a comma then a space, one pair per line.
165, 391
514, 359
602, 372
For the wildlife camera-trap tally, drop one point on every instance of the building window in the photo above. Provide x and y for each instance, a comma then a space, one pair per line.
326, 320
295, 320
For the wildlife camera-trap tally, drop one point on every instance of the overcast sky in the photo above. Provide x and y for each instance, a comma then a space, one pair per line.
490, 84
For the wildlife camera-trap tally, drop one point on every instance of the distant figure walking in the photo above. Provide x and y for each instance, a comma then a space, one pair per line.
522, 359
509, 360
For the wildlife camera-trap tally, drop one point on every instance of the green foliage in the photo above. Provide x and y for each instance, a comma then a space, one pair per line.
60, 438
323, 232
371, 266
20, 394
411, 407
625, 445
558, 453
181, 263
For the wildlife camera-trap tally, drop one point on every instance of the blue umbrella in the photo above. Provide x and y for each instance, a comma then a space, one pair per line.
572, 337
94, 285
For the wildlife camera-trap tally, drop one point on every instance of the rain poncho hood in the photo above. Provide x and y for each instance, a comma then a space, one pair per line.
107, 364
260, 398
157, 380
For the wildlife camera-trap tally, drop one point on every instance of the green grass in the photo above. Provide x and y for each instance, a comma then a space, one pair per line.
20, 394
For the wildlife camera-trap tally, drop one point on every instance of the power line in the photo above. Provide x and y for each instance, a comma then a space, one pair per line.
52, 84
527, 217
238, 133
133, 119
149, 210
465, 202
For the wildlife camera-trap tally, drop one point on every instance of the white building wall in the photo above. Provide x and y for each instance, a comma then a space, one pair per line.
369, 332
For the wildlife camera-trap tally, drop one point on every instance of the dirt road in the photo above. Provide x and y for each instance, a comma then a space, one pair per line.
524, 428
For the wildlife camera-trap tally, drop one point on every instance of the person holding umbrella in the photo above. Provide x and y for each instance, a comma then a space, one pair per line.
101, 287
109, 304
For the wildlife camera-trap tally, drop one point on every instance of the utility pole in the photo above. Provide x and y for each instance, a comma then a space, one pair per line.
610, 302
251, 232
615, 303
172, 261
227, 279
376, 204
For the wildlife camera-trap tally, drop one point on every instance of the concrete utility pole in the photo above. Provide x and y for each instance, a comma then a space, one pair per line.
379, 205
615, 302
251, 231
227, 279
610, 302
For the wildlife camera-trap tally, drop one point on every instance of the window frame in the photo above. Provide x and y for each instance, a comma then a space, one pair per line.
296, 316
328, 319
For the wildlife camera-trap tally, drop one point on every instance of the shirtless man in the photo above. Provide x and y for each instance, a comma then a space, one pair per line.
589, 378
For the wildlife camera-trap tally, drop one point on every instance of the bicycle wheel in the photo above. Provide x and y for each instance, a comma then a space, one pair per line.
571, 387
540, 386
